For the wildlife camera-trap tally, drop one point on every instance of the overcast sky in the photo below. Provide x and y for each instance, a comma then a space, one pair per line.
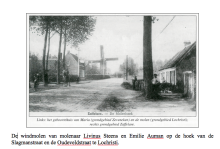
123, 35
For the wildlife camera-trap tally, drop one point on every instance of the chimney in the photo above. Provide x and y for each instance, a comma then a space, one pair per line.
187, 43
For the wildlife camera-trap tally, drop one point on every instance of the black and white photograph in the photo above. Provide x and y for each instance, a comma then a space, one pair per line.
113, 65
124, 74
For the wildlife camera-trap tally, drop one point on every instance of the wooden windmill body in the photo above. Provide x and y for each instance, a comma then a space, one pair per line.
102, 61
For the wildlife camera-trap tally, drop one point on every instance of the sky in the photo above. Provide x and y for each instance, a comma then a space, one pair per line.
122, 35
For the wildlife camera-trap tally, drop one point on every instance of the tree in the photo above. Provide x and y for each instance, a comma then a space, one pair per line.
42, 24
67, 20
59, 23
158, 64
92, 69
48, 50
132, 67
147, 56
76, 30
81, 29
34, 66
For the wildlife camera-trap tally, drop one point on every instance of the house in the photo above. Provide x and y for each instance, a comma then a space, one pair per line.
52, 62
71, 61
180, 71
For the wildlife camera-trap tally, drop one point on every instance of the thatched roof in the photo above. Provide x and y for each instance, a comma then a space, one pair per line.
179, 56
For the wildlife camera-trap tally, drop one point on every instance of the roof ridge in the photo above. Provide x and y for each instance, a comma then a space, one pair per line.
178, 57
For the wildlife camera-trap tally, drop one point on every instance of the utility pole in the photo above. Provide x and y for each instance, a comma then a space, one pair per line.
127, 67
102, 64
147, 55
103, 68
78, 61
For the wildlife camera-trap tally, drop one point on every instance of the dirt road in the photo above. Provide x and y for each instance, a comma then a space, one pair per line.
105, 96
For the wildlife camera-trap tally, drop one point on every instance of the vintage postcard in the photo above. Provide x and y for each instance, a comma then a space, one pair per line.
112, 70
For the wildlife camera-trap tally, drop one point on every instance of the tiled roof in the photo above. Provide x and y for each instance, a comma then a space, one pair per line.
81, 65
75, 57
179, 56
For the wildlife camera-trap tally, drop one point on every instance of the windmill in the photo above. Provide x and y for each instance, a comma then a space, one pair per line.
102, 61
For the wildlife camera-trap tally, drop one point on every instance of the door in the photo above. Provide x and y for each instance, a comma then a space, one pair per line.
172, 77
188, 84
168, 76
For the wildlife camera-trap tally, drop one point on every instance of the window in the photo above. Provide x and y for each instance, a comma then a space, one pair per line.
168, 76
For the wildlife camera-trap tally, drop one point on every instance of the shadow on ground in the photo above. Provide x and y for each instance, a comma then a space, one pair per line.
43, 88
37, 108
126, 85
111, 103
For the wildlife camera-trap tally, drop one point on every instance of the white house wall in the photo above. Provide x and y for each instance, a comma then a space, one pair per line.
73, 68
167, 71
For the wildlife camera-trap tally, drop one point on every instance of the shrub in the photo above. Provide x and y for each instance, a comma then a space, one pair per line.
168, 87
97, 77
53, 77
126, 85
73, 78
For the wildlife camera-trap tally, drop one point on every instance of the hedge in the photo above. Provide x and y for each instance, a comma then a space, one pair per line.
97, 77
